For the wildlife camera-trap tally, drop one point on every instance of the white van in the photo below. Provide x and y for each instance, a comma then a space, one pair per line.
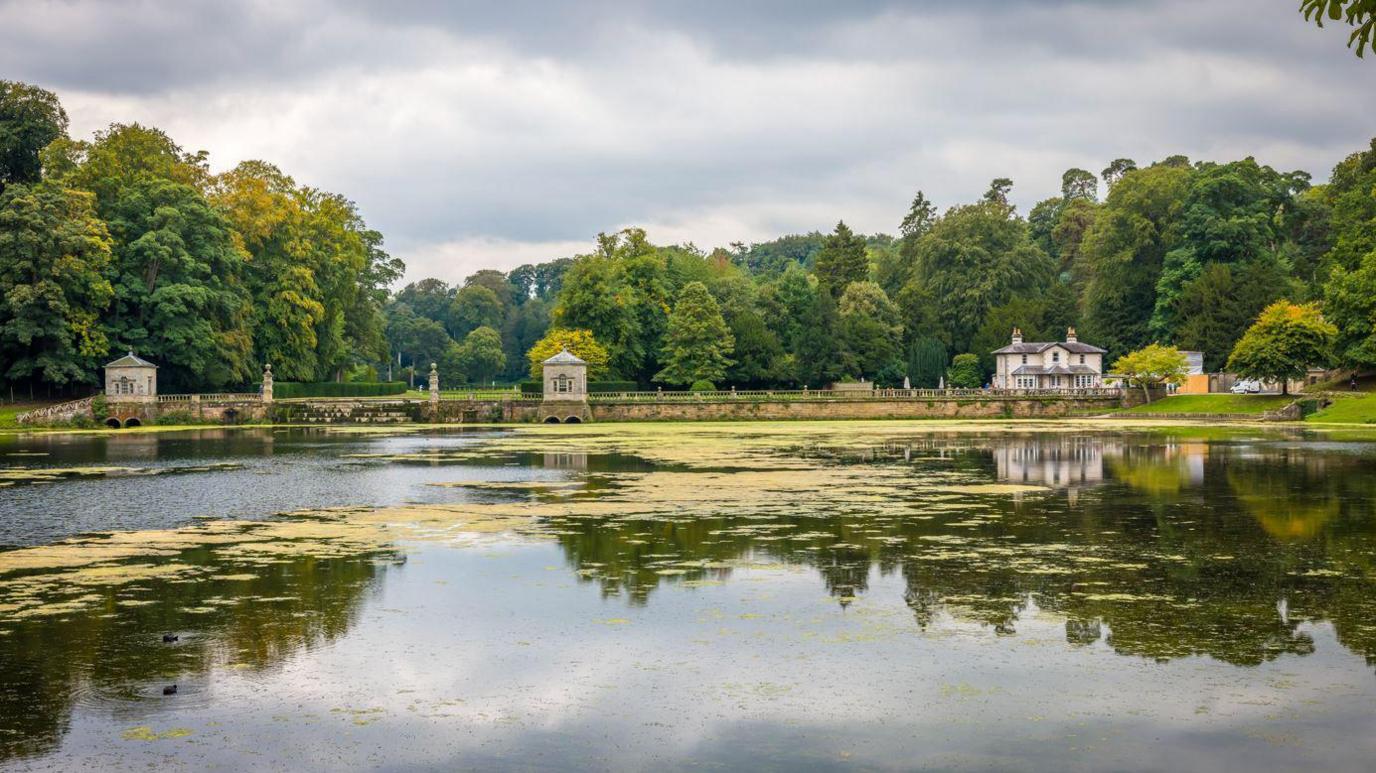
1246, 387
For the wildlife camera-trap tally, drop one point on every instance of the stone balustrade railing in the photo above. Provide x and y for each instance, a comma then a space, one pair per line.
786, 395
212, 397
61, 410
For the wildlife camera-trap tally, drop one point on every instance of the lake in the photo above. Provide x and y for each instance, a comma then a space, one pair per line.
849, 596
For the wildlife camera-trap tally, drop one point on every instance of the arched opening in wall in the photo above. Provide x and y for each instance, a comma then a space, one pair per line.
132, 421
112, 423
573, 420
231, 416
551, 419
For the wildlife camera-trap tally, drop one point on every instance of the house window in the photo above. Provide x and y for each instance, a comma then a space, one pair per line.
1055, 356
1084, 381
1025, 382
1024, 359
563, 384
1082, 359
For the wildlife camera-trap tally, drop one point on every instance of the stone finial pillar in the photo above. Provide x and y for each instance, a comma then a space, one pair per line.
267, 383
434, 385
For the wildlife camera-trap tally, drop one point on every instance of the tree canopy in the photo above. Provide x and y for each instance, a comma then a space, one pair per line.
1284, 343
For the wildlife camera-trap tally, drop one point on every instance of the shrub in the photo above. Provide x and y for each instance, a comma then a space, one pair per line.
964, 372
100, 408
702, 385
175, 417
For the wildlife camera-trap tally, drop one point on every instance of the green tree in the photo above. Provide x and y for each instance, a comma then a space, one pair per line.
316, 273
1116, 169
53, 254
965, 372
871, 332
975, 258
30, 119
1073, 221
816, 350
997, 194
474, 306
841, 260
1124, 251
1230, 213
919, 218
417, 341
179, 295
1358, 14
1350, 200
1079, 184
1350, 304
1215, 308
580, 343
596, 297
480, 356
1284, 343
1152, 365
520, 330
787, 301
429, 298
926, 363
698, 346
759, 354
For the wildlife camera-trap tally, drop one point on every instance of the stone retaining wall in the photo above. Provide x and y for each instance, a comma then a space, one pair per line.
986, 408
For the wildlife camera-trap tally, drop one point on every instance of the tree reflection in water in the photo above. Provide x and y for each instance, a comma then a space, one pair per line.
1160, 547
112, 654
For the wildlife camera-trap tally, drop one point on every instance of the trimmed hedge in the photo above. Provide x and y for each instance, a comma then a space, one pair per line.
594, 387
286, 390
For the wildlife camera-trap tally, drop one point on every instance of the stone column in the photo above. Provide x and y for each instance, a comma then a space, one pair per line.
434, 386
267, 383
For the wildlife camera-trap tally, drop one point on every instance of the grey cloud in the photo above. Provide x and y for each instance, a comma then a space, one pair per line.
545, 122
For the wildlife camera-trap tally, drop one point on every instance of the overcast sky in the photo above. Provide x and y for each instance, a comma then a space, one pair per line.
488, 134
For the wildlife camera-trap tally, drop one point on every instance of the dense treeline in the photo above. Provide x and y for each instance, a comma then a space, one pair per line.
1188, 254
129, 242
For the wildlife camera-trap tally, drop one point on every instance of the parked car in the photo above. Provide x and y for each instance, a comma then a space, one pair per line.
1246, 387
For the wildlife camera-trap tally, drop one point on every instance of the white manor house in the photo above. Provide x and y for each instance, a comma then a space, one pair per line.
1066, 364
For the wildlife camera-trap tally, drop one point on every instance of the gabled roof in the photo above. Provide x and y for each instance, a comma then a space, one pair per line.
564, 357
1037, 347
130, 360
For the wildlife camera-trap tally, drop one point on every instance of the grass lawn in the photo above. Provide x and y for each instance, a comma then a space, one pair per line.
1218, 403
10, 411
1349, 410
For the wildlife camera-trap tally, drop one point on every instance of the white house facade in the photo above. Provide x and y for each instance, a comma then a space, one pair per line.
1067, 364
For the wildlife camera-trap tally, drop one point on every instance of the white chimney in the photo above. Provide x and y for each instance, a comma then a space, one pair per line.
1017, 336
1070, 335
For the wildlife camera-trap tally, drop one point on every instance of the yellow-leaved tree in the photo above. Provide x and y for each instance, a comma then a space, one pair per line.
578, 341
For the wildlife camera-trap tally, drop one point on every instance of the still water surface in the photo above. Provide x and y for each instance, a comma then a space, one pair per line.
784, 596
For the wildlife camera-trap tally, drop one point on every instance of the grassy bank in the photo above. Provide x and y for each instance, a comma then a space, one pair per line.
1348, 410
9, 413
1220, 403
